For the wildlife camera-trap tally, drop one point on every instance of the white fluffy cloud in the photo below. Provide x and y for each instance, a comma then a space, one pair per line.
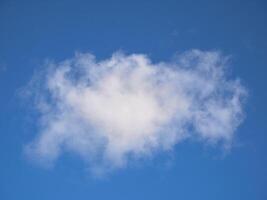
126, 107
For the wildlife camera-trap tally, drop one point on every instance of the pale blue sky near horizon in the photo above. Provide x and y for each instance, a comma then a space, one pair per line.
34, 31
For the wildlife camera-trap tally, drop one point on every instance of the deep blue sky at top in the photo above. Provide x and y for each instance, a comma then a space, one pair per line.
32, 31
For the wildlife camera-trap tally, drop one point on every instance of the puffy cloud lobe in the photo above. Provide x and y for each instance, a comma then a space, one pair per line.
126, 107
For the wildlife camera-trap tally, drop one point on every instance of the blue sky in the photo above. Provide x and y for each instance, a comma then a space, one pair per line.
33, 32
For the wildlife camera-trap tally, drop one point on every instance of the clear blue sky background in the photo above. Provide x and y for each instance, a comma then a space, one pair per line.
31, 31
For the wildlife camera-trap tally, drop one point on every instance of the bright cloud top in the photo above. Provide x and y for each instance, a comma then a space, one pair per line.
126, 107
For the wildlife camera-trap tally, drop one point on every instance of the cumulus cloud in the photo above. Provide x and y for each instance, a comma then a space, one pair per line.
126, 107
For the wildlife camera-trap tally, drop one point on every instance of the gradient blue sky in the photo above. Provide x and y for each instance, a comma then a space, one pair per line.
32, 31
